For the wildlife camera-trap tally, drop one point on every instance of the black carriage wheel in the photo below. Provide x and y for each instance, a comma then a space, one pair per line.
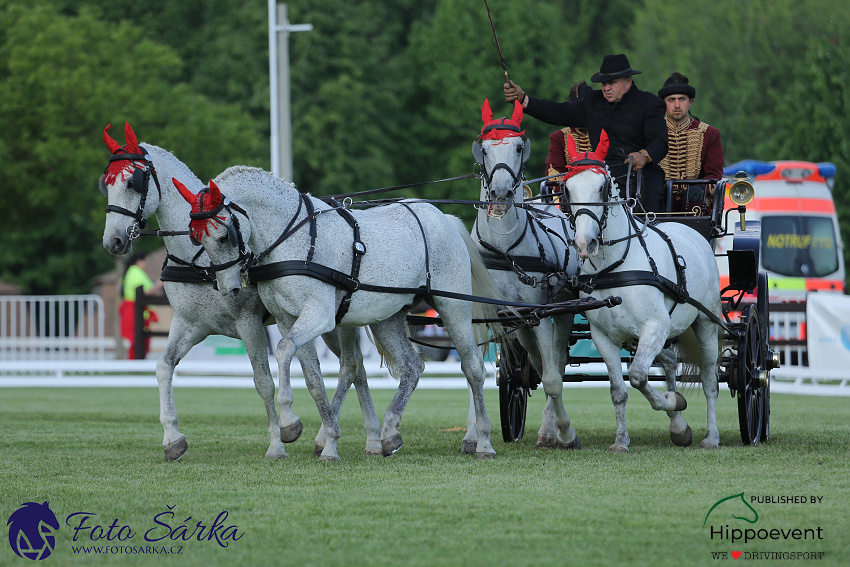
751, 395
513, 391
763, 303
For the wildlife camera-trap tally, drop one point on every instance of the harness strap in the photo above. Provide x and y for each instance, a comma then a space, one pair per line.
185, 274
638, 277
358, 250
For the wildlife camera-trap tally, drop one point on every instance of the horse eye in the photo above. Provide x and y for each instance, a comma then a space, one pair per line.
223, 239
519, 149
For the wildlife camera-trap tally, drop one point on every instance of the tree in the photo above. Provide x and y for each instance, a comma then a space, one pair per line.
62, 79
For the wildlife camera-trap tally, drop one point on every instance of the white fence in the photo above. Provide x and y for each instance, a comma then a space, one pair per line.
52, 327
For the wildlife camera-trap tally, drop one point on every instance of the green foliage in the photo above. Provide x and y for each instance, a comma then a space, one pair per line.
383, 93
62, 80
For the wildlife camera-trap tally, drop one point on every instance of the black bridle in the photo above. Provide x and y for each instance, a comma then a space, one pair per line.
138, 182
234, 232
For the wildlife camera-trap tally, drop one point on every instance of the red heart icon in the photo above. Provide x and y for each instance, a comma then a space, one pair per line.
735, 554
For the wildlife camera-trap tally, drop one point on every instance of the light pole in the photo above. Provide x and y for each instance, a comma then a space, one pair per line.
281, 119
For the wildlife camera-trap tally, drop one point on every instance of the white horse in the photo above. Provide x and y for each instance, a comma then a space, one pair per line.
523, 248
625, 257
319, 267
138, 185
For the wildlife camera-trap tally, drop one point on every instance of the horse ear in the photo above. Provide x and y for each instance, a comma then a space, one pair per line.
486, 113
110, 143
602, 147
215, 195
130, 138
571, 147
188, 195
517, 115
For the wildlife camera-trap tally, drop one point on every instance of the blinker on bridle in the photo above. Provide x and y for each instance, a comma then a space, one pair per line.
138, 182
234, 233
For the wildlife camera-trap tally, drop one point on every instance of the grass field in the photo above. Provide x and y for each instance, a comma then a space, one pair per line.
98, 451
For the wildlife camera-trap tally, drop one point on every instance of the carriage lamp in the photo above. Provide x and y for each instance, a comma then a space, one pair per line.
741, 193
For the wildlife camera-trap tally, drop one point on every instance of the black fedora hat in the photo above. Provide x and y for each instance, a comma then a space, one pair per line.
613, 67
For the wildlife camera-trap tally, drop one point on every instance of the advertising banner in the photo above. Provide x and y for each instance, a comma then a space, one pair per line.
828, 330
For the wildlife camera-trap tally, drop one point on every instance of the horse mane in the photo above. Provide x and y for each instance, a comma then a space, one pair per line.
275, 182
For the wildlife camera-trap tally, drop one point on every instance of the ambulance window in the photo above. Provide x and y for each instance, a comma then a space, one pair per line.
799, 246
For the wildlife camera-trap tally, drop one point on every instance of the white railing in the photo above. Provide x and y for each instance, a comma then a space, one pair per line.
52, 327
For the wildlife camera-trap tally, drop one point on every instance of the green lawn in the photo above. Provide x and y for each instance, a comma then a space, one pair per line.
98, 451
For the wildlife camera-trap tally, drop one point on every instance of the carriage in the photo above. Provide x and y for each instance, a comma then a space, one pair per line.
747, 358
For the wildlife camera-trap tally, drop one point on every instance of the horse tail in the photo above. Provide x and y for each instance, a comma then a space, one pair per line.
689, 353
482, 286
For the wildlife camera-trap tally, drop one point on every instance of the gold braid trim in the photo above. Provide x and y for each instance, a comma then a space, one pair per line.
684, 151
581, 138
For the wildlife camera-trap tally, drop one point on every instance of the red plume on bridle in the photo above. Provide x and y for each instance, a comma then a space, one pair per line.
597, 155
131, 147
500, 128
202, 202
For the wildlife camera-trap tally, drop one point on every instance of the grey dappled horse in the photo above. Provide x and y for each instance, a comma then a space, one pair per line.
616, 252
522, 248
138, 184
307, 253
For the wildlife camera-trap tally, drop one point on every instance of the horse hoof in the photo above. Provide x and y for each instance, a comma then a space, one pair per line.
547, 442
706, 444
468, 447
176, 449
682, 439
681, 402
574, 445
292, 432
329, 459
317, 450
277, 456
374, 452
391, 445
484, 456
618, 449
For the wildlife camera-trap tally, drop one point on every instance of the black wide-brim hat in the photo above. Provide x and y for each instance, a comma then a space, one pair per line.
614, 67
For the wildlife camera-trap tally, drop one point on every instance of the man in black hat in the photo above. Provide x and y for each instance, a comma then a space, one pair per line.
632, 118
694, 149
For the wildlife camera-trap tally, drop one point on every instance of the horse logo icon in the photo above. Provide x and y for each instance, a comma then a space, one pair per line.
734, 507
31, 530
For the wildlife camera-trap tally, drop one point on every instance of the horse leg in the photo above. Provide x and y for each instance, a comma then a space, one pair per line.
707, 336
650, 344
551, 344
253, 334
680, 431
290, 424
456, 318
610, 353
181, 338
345, 343
406, 365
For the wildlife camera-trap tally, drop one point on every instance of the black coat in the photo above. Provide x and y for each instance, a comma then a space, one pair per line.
634, 123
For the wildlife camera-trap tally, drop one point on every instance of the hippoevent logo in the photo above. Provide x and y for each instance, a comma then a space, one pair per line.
33, 526
735, 521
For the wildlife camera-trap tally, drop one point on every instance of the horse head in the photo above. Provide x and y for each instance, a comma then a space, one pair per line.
126, 183
214, 226
587, 190
501, 152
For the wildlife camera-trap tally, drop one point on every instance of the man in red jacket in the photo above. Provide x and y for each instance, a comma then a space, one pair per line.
693, 147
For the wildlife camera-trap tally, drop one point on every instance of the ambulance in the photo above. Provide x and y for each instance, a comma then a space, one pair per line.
800, 249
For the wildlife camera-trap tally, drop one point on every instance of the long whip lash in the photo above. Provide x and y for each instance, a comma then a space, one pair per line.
499, 47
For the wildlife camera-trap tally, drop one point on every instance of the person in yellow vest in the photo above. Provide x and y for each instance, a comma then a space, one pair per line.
134, 277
